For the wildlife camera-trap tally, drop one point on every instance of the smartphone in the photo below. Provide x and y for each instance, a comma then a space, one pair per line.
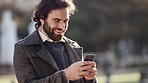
89, 57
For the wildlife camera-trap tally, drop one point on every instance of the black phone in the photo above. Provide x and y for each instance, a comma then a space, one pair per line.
89, 57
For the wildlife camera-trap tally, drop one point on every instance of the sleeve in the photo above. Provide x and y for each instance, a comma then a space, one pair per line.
25, 72
90, 81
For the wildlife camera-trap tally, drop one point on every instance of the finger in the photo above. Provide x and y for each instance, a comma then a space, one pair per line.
92, 70
92, 73
83, 73
81, 76
90, 76
86, 68
85, 63
93, 64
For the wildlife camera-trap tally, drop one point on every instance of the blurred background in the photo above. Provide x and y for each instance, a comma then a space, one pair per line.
116, 31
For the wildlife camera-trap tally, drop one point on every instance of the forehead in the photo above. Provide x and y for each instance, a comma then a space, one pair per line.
59, 13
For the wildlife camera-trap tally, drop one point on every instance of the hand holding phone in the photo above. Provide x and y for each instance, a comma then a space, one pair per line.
88, 57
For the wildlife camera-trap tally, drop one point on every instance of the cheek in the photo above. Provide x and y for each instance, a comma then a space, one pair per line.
49, 25
46, 28
53, 25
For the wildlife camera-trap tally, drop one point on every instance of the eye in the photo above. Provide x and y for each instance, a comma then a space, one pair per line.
57, 20
65, 20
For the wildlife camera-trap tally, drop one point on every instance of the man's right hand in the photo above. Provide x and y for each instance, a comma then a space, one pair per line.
77, 70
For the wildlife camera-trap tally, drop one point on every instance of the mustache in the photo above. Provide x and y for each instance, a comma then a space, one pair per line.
59, 29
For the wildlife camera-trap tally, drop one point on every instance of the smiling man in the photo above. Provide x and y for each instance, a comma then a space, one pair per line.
46, 55
56, 24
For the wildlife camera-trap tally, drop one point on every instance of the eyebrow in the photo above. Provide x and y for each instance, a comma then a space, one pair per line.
60, 19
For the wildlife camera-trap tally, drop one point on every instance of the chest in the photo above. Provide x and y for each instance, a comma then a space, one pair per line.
42, 61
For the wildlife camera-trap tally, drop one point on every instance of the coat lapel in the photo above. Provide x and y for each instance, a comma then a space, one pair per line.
35, 39
45, 54
74, 54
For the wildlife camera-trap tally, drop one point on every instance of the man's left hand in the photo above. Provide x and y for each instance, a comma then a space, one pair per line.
92, 72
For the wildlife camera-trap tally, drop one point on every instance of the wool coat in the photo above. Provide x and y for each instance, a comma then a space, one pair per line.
33, 63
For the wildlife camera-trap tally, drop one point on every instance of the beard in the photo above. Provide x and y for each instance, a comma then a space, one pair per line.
50, 32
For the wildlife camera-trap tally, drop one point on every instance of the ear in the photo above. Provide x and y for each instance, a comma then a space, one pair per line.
42, 21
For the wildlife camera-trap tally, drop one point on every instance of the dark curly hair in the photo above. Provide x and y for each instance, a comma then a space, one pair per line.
46, 6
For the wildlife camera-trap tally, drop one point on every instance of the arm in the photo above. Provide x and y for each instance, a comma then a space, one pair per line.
74, 71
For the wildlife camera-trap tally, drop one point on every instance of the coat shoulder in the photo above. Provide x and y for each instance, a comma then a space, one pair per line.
72, 42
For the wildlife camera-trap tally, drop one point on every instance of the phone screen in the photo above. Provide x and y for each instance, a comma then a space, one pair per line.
89, 57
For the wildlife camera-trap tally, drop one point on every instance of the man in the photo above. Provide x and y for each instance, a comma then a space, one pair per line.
47, 56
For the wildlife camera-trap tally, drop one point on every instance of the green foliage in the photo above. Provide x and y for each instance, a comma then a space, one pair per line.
99, 22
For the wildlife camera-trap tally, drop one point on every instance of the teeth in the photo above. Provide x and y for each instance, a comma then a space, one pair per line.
59, 31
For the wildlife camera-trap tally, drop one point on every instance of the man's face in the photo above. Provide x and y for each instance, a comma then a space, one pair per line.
56, 23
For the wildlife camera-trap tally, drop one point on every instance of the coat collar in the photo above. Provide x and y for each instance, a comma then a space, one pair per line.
33, 39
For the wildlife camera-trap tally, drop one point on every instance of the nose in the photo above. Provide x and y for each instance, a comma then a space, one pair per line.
61, 25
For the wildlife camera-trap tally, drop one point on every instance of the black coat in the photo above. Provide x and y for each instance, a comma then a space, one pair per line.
33, 63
